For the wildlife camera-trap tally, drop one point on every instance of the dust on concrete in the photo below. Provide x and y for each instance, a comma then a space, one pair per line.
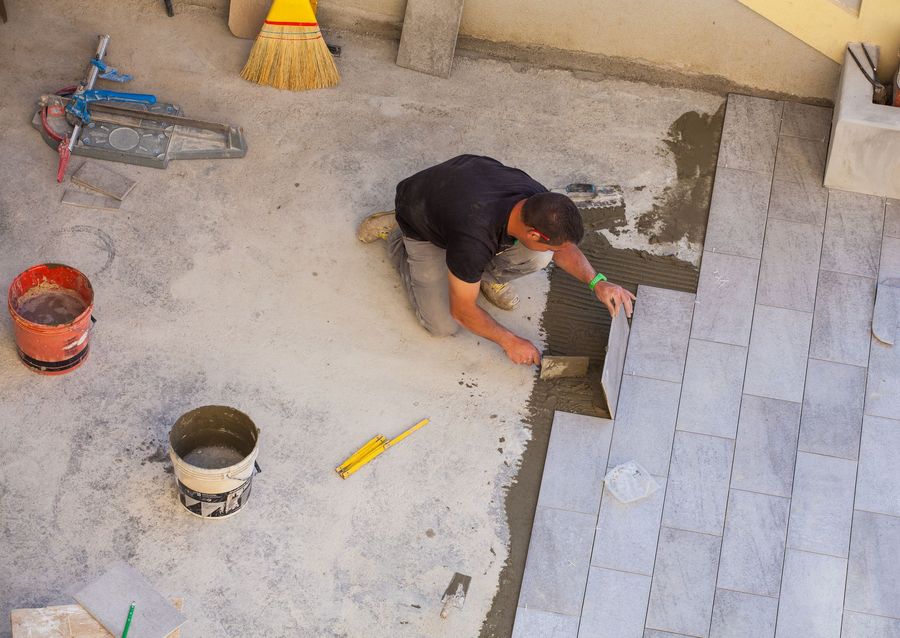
575, 323
681, 211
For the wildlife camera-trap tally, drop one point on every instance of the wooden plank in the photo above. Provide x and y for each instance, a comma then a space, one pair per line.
65, 621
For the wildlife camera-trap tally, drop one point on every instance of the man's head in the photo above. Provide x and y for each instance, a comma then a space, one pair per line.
551, 219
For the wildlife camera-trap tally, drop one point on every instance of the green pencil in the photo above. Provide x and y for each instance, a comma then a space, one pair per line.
128, 621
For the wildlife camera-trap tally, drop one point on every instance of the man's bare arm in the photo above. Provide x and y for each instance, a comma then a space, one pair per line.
573, 261
465, 310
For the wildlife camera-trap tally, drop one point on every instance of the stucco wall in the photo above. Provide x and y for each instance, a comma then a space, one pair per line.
714, 37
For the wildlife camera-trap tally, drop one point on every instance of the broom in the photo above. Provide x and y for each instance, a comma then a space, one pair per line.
289, 52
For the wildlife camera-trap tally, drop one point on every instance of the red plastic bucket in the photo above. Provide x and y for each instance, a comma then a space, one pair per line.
56, 348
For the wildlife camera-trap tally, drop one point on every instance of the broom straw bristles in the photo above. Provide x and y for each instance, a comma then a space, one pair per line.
289, 52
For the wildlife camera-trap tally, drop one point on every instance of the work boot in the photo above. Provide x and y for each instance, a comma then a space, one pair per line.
501, 295
377, 226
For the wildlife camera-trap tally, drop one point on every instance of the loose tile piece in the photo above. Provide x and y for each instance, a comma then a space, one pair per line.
627, 532
878, 483
740, 615
711, 391
533, 623
737, 213
822, 504
776, 363
883, 389
97, 177
886, 317
684, 582
559, 556
766, 446
575, 463
858, 625
790, 265
805, 120
812, 594
428, 39
832, 409
614, 362
843, 318
801, 203
853, 233
660, 329
697, 491
892, 218
615, 605
85, 199
750, 133
725, 297
753, 545
873, 580
801, 161
645, 424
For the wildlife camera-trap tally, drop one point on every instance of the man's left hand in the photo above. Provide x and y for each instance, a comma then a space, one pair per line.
614, 297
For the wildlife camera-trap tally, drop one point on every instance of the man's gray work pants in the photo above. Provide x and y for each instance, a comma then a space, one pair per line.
423, 269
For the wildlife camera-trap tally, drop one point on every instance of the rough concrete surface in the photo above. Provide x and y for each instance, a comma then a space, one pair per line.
240, 282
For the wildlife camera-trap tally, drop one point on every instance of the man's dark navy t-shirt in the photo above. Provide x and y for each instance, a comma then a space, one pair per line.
463, 206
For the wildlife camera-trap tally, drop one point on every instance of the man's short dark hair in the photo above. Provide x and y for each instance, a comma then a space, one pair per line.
554, 215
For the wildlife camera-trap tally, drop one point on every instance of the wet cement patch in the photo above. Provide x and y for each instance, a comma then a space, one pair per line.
682, 209
575, 323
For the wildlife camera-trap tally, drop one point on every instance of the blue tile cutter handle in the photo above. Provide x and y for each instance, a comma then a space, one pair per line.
79, 106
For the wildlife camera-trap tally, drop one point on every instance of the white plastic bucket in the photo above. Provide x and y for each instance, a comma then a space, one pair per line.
216, 485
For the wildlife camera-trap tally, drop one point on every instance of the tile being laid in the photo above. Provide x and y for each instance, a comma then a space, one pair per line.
873, 580
575, 463
878, 483
779, 345
645, 424
890, 259
711, 390
801, 203
801, 160
883, 389
627, 533
832, 409
807, 121
853, 229
725, 297
790, 265
684, 582
737, 213
766, 446
533, 623
559, 556
892, 218
753, 544
812, 595
740, 615
858, 625
660, 329
822, 504
614, 362
615, 605
842, 322
697, 491
750, 133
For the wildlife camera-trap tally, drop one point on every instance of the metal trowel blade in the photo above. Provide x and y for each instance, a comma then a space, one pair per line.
558, 367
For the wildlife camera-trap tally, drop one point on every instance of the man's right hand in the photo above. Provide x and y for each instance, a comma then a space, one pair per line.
522, 351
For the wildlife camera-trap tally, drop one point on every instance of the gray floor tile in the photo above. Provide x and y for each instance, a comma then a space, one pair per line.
878, 483
684, 582
653, 633
737, 213
559, 556
614, 362
812, 594
822, 504
646, 423
801, 160
660, 329
853, 233
697, 491
832, 408
711, 391
533, 623
805, 120
575, 463
801, 203
858, 625
615, 605
790, 265
779, 345
725, 297
750, 133
842, 322
740, 615
766, 446
883, 389
753, 545
890, 259
892, 218
873, 580
627, 532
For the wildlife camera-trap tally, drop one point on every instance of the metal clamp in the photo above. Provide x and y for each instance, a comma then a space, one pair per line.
82, 100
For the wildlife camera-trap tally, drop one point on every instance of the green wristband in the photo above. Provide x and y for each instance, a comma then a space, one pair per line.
596, 280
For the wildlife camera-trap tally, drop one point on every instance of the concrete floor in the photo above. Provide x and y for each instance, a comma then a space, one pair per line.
241, 282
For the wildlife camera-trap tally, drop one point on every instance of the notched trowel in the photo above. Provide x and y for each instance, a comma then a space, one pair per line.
587, 195
559, 367
455, 595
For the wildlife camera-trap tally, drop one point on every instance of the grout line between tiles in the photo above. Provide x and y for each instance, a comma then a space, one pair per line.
866, 613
